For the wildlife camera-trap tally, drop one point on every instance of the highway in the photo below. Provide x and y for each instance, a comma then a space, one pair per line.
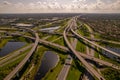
91, 52
65, 49
54, 33
12, 60
85, 63
91, 39
7, 29
70, 49
66, 67
102, 40
13, 55
114, 53
63, 73
32, 66
53, 22
81, 37
21, 64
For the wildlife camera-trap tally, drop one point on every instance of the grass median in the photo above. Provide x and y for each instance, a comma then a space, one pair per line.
75, 71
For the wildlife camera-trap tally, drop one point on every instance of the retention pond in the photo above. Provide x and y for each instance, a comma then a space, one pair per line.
10, 47
49, 60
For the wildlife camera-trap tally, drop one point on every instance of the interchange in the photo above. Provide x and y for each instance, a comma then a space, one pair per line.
91, 39
9, 57
81, 37
20, 65
70, 49
85, 63
65, 49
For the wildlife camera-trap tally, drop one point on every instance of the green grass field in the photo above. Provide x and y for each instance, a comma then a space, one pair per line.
75, 71
80, 47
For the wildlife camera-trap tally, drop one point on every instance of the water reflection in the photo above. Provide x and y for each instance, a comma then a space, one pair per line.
49, 60
117, 50
51, 29
10, 47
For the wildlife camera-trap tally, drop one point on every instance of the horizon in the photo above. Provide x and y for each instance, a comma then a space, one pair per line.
59, 13
58, 6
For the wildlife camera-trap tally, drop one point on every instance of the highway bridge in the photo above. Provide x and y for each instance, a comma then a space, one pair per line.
54, 33
72, 35
65, 49
81, 37
105, 41
22, 63
81, 56
85, 63
7, 58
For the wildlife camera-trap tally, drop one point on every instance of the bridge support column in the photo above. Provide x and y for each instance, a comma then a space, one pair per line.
17, 74
28, 60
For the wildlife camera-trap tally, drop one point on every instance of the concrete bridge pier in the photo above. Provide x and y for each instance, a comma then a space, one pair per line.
17, 74
28, 60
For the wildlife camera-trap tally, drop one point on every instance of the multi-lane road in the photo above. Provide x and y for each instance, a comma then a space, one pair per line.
68, 62
13, 55
87, 66
81, 37
69, 48
21, 64
102, 40
65, 49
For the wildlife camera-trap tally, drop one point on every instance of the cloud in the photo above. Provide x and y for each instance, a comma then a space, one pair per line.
116, 5
6, 3
54, 6
111, 6
76, 1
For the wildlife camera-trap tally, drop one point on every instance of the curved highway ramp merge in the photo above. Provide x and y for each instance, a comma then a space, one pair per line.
65, 49
20, 65
88, 67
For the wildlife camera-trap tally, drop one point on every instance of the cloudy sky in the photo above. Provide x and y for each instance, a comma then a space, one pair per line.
59, 6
